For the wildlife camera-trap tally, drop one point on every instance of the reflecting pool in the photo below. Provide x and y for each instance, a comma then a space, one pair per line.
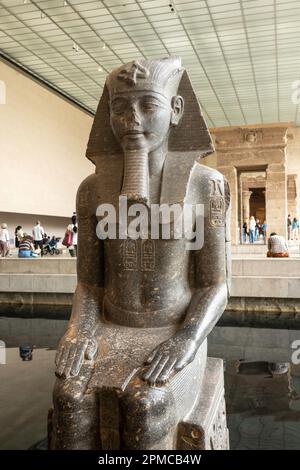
262, 386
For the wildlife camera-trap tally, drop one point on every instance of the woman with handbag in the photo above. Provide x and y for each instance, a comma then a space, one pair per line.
73, 231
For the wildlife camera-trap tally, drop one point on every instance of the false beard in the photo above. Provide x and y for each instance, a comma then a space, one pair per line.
136, 176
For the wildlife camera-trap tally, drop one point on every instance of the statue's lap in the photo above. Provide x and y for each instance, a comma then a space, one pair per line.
118, 365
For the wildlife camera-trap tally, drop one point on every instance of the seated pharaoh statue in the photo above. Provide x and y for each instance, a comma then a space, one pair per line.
132, 368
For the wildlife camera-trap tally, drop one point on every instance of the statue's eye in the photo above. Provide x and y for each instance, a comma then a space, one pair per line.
149, 105
118, 106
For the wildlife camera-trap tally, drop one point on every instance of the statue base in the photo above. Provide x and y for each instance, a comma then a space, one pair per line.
205, 428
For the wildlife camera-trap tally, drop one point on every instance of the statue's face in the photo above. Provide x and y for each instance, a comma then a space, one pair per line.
141, 120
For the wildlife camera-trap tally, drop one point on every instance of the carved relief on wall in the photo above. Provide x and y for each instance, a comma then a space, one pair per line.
251, 137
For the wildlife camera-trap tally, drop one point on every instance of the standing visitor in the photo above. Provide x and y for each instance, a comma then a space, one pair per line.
4, 241
38, 235
19, 234
252, 225
257, 229
264, 231
245, 231
73, 228
295, 229
289, 226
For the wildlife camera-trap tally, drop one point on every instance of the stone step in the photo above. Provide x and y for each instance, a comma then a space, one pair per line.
54, 283
45, 265
242, 286
267, 287
270, 267
259, 248
254, 266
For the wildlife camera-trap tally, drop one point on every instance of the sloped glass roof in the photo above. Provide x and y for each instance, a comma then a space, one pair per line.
242, 55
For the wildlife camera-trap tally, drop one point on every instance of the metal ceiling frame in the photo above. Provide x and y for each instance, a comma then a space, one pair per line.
245, 50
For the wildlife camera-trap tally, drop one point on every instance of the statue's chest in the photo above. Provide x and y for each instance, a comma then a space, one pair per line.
159, 256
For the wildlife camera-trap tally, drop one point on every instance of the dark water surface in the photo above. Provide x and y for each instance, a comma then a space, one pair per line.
263, 409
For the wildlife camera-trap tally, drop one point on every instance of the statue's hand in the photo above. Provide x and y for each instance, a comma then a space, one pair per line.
169, 357
74, 347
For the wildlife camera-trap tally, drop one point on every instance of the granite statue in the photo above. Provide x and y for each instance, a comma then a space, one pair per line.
132, 368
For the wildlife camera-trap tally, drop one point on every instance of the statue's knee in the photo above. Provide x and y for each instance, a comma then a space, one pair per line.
148, 414
75, 419
68, 398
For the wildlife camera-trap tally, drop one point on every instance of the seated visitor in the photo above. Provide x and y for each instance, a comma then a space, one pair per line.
26, 248
277, 247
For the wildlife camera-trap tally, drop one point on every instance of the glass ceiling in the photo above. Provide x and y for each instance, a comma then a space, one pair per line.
242, 55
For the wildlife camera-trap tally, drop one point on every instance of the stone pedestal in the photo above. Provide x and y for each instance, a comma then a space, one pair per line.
205, 428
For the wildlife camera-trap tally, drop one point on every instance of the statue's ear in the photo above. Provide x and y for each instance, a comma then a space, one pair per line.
177, 105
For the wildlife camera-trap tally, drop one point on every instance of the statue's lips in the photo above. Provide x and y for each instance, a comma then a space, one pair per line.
133, 133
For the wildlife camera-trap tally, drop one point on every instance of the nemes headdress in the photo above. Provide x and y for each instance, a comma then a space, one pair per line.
164, 76
161, 76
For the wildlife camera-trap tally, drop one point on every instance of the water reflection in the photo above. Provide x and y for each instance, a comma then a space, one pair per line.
262, 387
263, 408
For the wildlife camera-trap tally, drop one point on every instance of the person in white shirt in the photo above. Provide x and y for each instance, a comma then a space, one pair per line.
252, 225
4, 241
277, 246
38, 235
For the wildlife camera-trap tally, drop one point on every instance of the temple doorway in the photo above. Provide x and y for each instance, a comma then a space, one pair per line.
252, 200
258, 204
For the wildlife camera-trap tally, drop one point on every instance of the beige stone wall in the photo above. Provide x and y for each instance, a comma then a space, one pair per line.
293, 160
43, 140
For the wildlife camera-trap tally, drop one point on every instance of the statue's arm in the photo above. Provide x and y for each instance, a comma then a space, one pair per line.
212, 273
79, 342
212, 269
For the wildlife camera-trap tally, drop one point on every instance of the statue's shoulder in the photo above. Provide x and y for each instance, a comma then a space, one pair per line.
212, 182
86, 199
88, 183
207, 173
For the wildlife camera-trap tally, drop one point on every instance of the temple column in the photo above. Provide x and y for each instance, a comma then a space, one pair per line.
246, 205
276, 199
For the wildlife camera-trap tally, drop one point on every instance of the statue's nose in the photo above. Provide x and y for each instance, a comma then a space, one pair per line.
134, 116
